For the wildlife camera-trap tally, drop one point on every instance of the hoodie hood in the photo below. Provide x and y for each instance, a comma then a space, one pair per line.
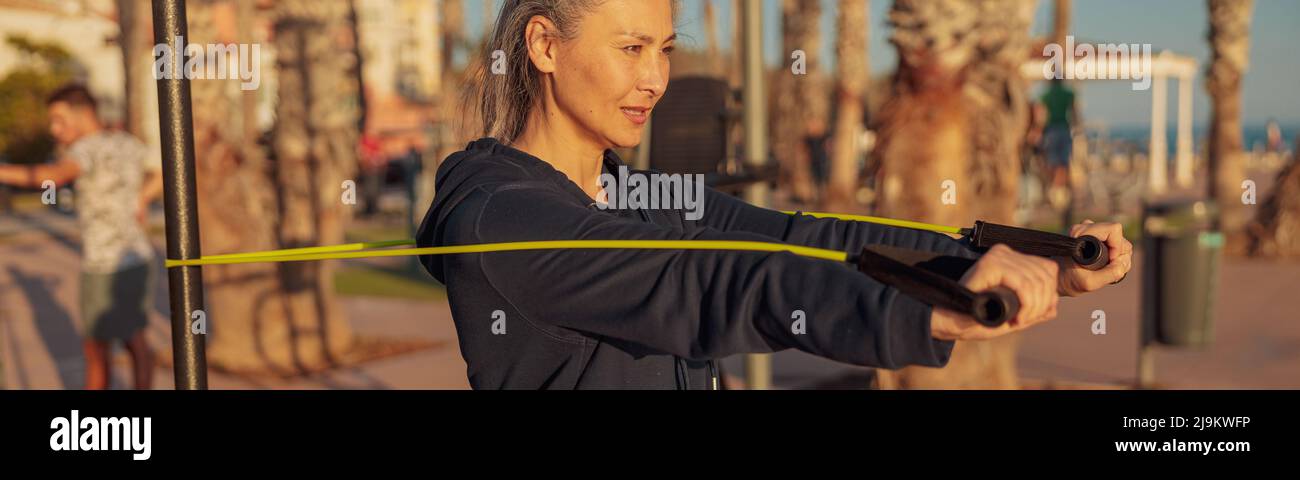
483, 162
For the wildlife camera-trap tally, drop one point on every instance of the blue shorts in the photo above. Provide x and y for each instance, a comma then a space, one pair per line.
1057, 145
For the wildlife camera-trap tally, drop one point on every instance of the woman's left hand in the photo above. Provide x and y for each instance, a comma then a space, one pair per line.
1074, 280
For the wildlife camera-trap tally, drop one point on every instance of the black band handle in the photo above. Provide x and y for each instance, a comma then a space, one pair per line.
1086, 251
994, 307
917, 274
1090, 253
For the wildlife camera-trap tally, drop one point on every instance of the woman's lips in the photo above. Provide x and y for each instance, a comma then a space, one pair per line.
637, 115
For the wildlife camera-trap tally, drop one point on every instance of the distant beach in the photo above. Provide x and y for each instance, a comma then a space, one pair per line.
1252, 136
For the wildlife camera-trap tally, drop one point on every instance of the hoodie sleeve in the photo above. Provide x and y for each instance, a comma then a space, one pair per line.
694, 304
729, 214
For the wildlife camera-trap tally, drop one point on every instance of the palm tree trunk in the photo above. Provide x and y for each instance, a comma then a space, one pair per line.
924, 138
1061, 10
737, 53
235, 215
489, 17
999, 107
850, 84
1275, 232
315, 138
277, 318
711, 36
948, 146
1229, 57
453, 32
141, 100
794, 99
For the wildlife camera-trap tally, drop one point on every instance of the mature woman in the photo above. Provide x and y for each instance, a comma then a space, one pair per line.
581, 77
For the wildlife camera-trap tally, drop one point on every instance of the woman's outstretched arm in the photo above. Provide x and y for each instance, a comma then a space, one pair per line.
729, 214
694, 304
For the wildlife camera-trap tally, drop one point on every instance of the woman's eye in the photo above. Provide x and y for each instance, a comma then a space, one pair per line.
669, 50
634, 49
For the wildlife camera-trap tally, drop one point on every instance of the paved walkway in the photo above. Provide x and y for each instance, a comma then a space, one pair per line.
40, 340
1256, 341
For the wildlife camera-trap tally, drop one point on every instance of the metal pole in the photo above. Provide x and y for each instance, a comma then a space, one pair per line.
758, 367
185, 284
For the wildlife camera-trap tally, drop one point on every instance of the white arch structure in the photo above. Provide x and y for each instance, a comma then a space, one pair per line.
1162, 66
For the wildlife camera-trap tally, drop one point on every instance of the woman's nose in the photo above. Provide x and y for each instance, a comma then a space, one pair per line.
654, 80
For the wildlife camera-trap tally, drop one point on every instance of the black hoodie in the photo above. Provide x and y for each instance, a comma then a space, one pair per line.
652, 319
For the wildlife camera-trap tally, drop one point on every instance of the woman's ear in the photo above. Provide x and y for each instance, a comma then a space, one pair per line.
540, 36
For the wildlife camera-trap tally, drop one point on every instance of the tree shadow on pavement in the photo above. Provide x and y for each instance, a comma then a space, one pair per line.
55, 326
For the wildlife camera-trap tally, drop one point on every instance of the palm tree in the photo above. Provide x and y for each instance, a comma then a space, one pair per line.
136, 39
454, 123
924, 138
235, 215
1061, 10
794, 100
453, 32
1276, 229
711, 36
314, 142
277, 318
999, 107
850, 85
1229, 57
489, 17
737, 52
951, 129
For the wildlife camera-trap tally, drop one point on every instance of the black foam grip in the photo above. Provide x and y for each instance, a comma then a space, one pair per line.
995, 306
1086, 251
1091, 253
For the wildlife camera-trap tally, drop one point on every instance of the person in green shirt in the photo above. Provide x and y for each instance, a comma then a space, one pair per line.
1058, 141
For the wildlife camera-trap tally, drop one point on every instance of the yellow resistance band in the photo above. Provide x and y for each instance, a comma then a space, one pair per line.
340, 251
886, 221
367, 249
347, 247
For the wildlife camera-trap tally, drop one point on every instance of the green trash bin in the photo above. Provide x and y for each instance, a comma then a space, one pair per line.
1181, 252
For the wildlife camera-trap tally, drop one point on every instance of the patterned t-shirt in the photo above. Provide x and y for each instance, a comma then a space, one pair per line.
108, 190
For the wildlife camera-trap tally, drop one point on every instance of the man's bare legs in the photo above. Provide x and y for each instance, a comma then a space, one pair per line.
1061, 194
97, 363
141, 360
1060, 176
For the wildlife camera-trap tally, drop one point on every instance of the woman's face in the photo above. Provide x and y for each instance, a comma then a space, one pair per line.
612, 74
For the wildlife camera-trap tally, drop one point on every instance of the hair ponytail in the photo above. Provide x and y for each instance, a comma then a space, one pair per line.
501, 100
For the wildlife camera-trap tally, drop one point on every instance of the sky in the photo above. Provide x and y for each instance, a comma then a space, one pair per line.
1269, 89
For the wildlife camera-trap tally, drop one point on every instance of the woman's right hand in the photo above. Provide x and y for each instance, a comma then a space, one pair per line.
1032, 278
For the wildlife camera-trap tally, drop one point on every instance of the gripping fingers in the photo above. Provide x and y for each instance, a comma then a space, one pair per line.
1032, 279
1037, 278
1019, 279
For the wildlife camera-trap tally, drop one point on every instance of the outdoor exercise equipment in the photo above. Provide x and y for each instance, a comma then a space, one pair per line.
184, 284
1086, 251
927, 277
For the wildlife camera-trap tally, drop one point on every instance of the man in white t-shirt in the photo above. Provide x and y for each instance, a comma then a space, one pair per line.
115, 185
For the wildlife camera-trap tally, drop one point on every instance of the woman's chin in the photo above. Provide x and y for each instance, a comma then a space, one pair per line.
627, 139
